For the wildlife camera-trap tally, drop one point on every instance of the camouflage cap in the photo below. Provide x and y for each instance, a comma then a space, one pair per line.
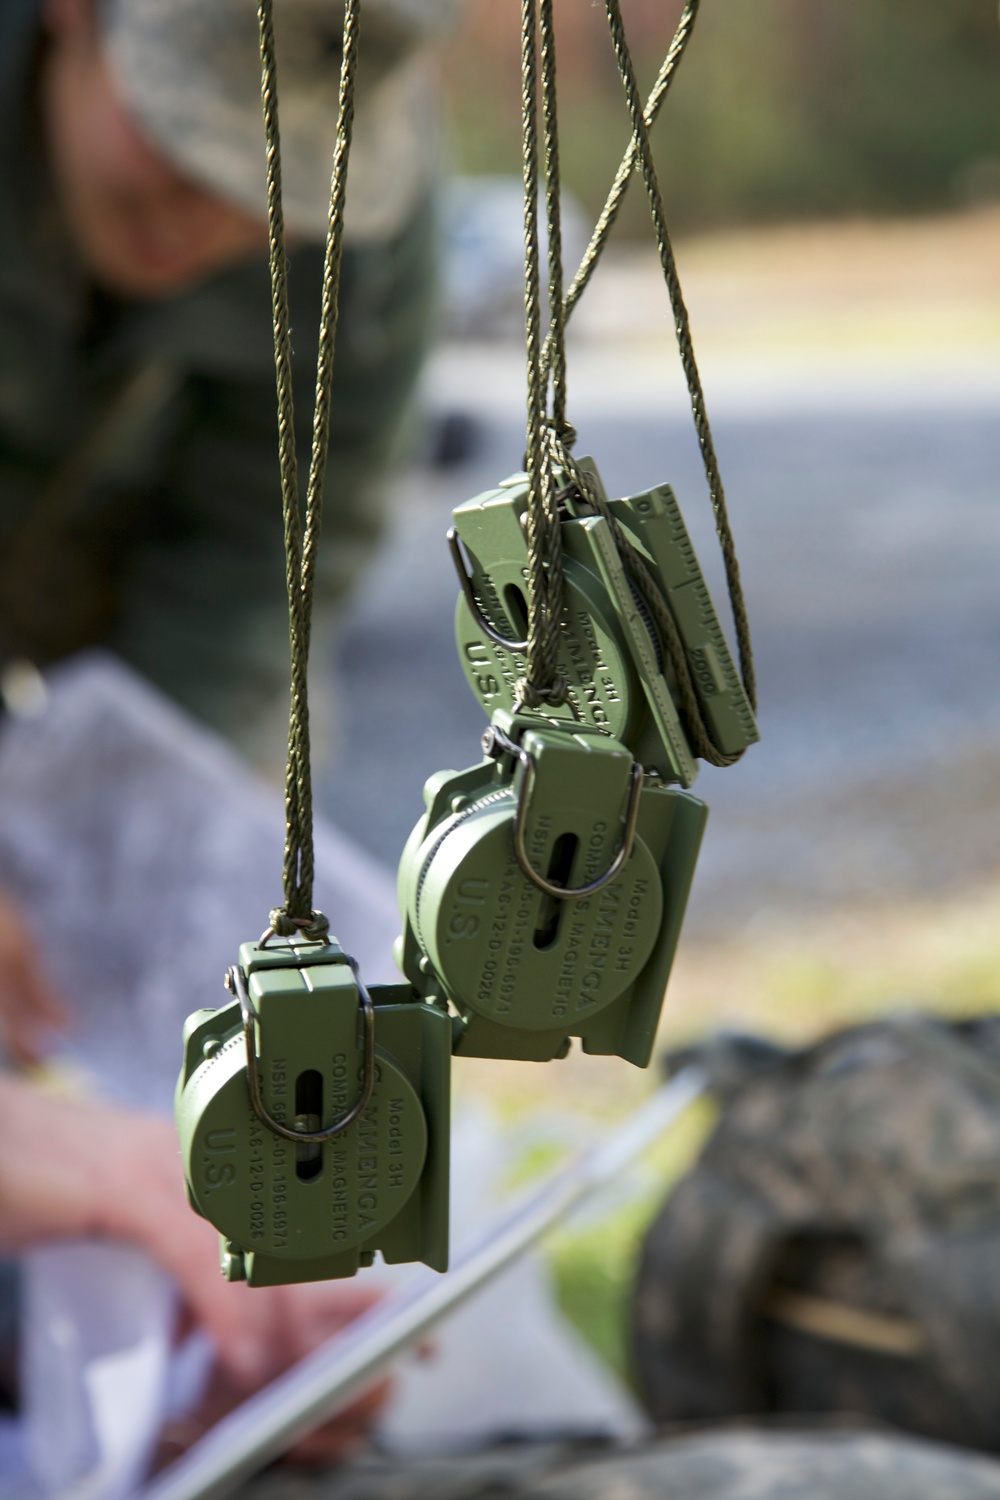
189, 71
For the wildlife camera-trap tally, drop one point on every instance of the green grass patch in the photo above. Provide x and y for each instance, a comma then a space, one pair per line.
593, 1259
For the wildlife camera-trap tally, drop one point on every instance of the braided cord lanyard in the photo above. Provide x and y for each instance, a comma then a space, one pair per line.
553, 434
302, 539
542, 683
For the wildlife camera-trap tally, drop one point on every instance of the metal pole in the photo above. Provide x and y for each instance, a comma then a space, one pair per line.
328, 1379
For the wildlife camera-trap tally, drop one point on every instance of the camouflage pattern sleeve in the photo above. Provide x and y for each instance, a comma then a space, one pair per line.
722, 1464
202, 608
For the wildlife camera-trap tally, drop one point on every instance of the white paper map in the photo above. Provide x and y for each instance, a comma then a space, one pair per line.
143, 852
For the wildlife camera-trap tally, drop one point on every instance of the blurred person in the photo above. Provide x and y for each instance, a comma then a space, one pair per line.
139, 496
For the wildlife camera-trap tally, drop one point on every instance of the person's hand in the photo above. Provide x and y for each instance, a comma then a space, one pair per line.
303, 1317
73, 1167
258, 1332
30, 1008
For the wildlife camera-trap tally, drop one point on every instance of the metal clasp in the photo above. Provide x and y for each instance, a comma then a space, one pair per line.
464, 578
236, 981
498, 741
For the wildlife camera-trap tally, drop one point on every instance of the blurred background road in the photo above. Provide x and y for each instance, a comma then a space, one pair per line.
861, 456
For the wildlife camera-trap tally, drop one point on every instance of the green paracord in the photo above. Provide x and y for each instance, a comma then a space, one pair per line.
302, 537
550, 437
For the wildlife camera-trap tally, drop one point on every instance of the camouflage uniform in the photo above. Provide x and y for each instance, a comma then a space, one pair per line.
837, 1247
139, 500
728, 1464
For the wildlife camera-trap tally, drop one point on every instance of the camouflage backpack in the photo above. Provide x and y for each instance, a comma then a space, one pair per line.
836, 1250
837, 1247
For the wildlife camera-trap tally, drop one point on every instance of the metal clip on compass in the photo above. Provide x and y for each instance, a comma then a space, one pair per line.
313, 1113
